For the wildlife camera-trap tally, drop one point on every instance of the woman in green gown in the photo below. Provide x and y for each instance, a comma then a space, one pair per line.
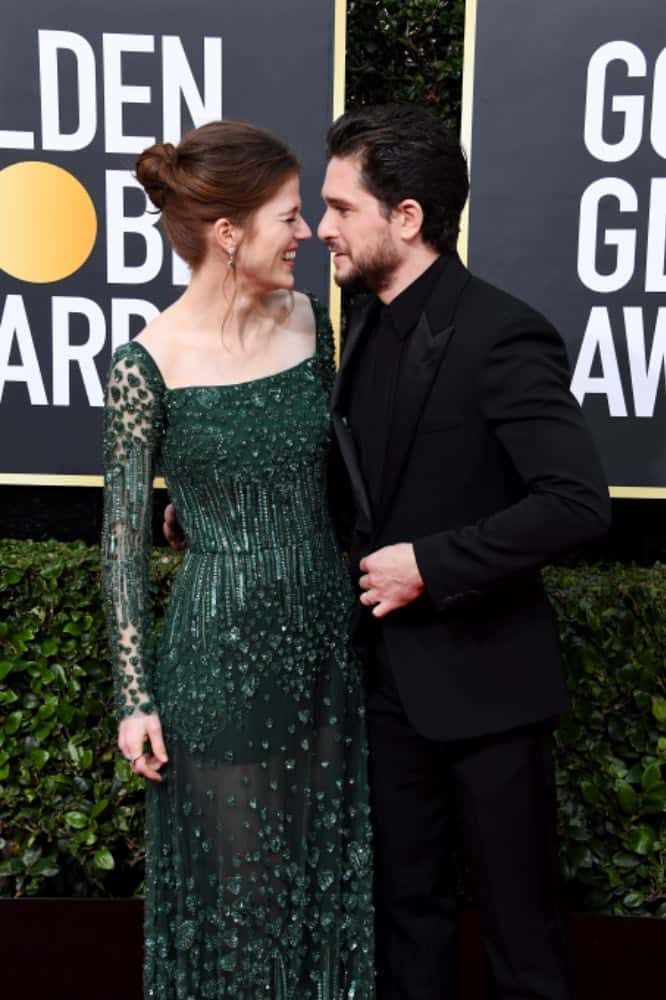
247, 716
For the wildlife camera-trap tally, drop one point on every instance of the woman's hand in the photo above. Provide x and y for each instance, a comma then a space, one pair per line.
172, 530
133, 734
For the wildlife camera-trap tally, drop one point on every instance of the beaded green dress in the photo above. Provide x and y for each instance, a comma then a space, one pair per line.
258, 862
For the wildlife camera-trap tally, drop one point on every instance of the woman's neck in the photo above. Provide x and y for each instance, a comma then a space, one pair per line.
215, 300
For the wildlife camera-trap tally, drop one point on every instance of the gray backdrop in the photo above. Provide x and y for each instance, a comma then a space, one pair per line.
530, 167
277, 72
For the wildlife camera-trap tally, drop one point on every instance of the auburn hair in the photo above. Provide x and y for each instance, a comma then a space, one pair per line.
225, 169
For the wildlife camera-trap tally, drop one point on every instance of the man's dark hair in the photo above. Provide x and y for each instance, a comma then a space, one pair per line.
407, 152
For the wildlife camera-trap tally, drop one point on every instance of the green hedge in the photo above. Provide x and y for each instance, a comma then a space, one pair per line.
612, 745
406, 50
71, 813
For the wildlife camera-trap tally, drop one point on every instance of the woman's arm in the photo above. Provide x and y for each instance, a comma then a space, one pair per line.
132, 433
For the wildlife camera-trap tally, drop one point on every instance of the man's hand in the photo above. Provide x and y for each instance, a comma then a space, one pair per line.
391, 579
172, 530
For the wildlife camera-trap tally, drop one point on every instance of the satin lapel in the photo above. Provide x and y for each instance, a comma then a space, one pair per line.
341, 428
353, 339
347, 448
425, 352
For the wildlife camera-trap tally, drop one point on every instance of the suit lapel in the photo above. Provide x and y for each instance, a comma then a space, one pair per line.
425, 352
424, 355
346, 444
358, 325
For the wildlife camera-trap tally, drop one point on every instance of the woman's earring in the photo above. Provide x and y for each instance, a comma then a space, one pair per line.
230, 253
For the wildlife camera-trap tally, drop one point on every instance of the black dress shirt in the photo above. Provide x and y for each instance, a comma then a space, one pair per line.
376, 374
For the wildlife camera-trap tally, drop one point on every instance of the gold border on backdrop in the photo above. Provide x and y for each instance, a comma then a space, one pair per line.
469, 51
19, 479
335, 303
638, 492
28, 479
339, 57
466, 117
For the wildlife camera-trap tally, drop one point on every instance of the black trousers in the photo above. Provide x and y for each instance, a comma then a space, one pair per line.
504, 792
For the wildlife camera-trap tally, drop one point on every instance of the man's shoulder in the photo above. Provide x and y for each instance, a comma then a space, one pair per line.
497, 306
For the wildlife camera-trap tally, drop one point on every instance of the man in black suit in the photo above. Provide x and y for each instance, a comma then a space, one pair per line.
470, 467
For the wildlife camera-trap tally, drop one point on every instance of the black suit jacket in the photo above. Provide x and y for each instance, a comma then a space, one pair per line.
491, 473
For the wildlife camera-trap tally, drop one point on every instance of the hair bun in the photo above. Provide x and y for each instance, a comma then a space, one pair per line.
156, 170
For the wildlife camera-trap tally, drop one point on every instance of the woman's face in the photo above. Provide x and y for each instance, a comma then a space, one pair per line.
267, 251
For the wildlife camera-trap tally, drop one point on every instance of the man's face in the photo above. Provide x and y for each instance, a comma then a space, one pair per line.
356, 229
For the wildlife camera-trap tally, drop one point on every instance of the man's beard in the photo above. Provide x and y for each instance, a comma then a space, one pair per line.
373, 271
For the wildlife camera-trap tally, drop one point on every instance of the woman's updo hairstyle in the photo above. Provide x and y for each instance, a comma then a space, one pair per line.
223, 170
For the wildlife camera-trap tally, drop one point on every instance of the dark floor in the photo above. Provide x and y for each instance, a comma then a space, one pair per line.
91, 950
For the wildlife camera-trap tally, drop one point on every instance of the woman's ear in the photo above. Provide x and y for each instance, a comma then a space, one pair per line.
225, 234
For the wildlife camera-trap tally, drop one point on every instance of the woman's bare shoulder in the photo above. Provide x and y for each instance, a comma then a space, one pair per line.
160, 337
159, 329
302, 319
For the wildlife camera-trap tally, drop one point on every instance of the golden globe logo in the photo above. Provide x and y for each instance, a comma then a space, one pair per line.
49, 224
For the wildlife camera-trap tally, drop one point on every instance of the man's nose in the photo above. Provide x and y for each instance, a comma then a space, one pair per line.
325, 229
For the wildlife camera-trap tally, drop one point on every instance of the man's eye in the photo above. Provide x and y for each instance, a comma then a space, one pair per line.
292, 218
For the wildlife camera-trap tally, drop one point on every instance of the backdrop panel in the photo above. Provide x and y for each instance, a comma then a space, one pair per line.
567, 132
82, 263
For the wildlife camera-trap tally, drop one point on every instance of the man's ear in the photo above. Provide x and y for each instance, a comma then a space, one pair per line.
410, 218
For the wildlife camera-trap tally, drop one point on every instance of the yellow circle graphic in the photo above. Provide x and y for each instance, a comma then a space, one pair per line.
48, 223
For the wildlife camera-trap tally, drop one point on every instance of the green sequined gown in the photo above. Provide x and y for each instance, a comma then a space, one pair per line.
258, 865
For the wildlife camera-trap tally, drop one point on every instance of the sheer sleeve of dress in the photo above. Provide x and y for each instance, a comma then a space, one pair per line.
133, 423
